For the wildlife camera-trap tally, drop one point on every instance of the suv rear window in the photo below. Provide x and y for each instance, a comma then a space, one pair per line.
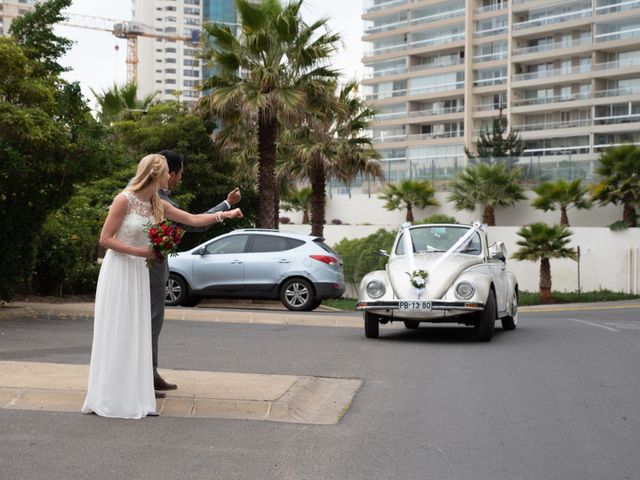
324, 246
272, 243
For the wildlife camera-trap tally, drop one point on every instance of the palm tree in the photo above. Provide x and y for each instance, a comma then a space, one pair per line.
409, 194
490, 185
262, 76
619, 172
563, 195
298, 200
540, 241
117, 102
331, 143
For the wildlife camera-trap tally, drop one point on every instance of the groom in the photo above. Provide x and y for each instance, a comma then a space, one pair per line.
159, 271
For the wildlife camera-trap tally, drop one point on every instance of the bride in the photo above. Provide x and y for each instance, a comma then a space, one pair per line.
121, 370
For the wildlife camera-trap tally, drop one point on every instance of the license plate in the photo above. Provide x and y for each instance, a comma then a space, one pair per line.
414, 306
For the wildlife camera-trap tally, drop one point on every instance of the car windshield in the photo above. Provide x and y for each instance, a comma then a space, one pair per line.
440, 239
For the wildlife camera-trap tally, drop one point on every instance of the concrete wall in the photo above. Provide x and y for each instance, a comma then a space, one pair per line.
362, 209
609, 260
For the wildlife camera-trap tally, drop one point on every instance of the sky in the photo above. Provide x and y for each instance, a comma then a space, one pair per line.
97, 65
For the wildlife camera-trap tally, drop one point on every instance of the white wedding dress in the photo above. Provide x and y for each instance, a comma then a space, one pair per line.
121, 370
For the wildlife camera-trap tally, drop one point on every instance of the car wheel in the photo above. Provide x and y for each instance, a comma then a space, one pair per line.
511, 322
175, 290
411, 324
371, 325
486, 321
297, 294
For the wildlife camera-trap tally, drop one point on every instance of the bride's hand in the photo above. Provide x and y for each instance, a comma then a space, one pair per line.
146, 252
233, 213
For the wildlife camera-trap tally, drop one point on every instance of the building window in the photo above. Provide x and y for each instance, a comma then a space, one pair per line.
171, 19
169, 70
191, 11
192, 21
170, 8
170, 50
190, 83
190, 51
170, 60
170, 81
191, 73
191, 63
192, 2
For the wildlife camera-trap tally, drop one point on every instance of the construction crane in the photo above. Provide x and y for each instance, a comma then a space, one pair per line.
128, 30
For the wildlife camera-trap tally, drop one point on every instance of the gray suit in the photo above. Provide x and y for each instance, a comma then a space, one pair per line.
158, 276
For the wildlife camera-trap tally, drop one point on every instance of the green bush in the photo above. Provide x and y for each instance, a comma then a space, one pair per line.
360, 255
439, 218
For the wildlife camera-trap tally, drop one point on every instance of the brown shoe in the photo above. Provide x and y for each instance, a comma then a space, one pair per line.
160, 384
160, 394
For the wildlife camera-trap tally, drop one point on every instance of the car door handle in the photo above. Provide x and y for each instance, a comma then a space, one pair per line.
236, 262
284, 260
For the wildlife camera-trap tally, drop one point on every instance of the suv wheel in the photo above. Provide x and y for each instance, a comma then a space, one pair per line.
297, 294
176, 291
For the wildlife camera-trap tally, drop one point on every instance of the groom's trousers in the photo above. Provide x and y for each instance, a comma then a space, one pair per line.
158, 275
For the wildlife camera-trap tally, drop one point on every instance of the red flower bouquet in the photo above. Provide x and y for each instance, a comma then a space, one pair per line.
164, 238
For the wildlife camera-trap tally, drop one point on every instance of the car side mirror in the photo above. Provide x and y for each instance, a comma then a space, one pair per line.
498, 251
199, 251
383, 253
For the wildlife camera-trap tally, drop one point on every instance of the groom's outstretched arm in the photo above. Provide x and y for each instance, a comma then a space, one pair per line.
232, 198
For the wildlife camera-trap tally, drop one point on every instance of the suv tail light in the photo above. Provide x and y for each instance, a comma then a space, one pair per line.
329, 260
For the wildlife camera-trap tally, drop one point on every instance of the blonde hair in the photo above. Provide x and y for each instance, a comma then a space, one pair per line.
150, 170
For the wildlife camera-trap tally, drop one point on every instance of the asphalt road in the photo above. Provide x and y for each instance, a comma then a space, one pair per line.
558, 398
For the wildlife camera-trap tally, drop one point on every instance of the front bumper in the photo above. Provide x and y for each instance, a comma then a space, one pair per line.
389, 305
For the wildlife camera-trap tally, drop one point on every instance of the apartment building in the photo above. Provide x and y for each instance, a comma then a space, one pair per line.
566, 74
10, 9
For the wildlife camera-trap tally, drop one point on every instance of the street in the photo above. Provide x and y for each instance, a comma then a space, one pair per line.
555, 399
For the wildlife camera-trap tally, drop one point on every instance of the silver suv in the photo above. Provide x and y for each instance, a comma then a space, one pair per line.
300, 270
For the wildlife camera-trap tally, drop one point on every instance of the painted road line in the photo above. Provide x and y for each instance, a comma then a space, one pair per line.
592, 324
532, 309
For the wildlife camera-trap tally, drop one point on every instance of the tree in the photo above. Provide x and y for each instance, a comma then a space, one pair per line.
299, 201
409, 194
117, 103
331, 143
492, 146
619, 171
541, 241
206, 181
48, 139
262, 76
563, 195
489, 185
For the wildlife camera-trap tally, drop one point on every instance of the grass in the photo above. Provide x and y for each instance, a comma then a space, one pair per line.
526, 298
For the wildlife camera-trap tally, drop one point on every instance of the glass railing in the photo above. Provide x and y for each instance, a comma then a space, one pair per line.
437, 111
491, 8
416, 91
484, 82
528, 127
386, 27
572, 97
551, 46
627, 62
519, 77
489, 107
390, 138
617, 7
490, 57
553, 19
613, 36
381, 6
490, 32
415, 68
617, 92
383, 117
435, 135
417, 44
616, 119
386, 72
437, 17
573, 150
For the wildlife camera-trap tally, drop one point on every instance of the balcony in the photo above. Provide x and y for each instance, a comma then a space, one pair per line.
554, 99
382, 6
417, 44
390, 138
616, 92
556, 72
436, 111
616, 119
494, 7
553, 19
490, 32
530, 127
385, 117
630, 62
490, 57
434, 136
551, 46
486, 82
416, 91
613, 36
617, 7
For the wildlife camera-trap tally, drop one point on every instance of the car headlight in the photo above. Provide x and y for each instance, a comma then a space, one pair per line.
464, 290
375, 289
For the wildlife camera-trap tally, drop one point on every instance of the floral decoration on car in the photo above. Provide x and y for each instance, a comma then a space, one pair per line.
418, 278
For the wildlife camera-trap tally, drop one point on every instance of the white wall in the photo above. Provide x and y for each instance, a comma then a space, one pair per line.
362, 209
609, 260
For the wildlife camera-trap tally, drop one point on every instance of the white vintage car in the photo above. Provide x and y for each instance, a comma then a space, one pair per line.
450, 274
